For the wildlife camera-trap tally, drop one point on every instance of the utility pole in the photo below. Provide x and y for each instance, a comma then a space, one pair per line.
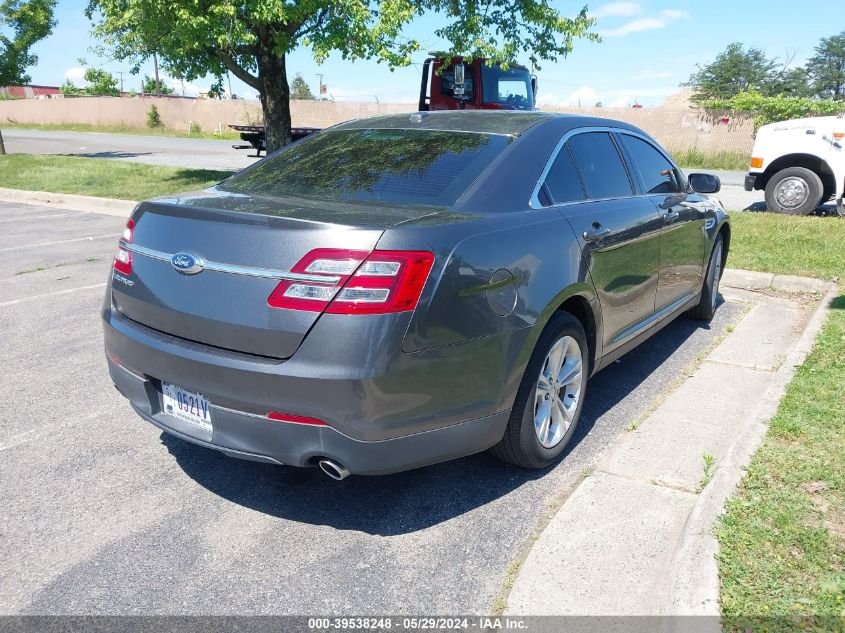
320, 85
158, 82
229, 79
120, 72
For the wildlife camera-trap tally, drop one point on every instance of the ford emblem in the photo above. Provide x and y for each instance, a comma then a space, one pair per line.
187, 264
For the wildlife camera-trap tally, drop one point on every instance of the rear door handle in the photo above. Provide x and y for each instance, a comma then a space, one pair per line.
596, 233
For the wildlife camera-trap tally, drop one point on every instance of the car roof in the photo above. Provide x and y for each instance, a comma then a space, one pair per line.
506, 122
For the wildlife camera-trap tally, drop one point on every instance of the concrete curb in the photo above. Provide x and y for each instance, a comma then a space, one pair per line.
752, 280
694, 589
108, 206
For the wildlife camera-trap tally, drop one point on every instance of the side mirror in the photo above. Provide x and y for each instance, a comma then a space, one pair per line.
704, 183
459, 79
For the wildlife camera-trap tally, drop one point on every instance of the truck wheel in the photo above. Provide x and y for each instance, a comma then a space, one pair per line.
794, 190
548, 403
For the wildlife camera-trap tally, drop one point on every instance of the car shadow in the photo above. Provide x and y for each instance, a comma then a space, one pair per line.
414, 500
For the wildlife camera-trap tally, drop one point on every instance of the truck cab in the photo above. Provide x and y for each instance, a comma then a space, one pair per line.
800, 164
475, 85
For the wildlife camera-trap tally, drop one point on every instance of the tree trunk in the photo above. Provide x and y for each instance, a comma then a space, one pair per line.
275, 98
2, 145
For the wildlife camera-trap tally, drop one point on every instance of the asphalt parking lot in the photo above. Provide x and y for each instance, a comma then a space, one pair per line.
104, 514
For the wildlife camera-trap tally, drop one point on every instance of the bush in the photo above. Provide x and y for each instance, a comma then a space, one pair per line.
765, 110
153, 117
195, 128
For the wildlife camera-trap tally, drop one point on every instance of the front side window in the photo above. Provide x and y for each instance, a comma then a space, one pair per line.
600, 164
657, 173
400, 166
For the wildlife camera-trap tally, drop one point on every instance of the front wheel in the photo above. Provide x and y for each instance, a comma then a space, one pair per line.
548, 403
795, 190
706, 307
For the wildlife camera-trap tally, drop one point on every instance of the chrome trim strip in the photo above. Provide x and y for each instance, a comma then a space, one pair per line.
654, 318
534, 201
232, 269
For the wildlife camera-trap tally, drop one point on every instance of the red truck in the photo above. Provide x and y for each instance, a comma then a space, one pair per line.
473, 85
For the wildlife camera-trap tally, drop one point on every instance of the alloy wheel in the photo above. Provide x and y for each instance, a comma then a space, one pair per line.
558, 391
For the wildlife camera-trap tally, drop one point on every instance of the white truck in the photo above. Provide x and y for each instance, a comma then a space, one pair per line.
800, 164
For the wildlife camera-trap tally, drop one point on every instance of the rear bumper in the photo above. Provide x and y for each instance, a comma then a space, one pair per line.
402, 412
750, 181
255, 438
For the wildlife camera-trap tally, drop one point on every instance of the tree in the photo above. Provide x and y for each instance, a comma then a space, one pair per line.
101, 83
151, 86
735, 70
827, 67
299, 89
22, 24
252, 38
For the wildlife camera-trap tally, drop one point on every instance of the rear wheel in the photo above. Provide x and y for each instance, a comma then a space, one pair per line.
548, 402
795, 190
706, 307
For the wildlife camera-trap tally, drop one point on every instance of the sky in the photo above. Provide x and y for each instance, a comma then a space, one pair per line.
648, 48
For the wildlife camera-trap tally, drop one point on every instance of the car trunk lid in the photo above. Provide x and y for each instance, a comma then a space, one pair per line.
247, 244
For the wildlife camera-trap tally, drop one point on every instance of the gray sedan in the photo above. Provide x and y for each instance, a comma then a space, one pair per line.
407, 289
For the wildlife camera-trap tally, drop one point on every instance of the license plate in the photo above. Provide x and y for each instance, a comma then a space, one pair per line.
188, 406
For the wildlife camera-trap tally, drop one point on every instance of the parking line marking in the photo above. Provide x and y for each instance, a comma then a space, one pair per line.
78, 239
46, 217
38, 433
66, 291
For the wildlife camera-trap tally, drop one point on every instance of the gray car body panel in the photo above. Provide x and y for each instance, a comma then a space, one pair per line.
444, 375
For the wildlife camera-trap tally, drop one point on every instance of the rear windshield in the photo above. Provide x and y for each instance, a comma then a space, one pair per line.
391, 166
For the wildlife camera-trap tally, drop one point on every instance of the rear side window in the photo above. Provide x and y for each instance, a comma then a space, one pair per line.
601, 167
391, 166
657, 173
562, 182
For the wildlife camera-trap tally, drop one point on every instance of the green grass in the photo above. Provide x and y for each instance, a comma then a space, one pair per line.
783, 536
693, 158
100, 177
140, 130
811, 246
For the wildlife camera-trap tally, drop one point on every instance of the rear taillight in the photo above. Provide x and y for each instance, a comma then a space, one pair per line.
123, 258
357, 282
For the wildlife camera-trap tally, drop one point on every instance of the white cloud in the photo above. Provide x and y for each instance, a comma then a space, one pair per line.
191, 90
76, 75
620, 102
583, 96
624, 9
663, 20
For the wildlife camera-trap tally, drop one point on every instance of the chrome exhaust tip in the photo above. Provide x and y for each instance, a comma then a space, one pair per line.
333, 469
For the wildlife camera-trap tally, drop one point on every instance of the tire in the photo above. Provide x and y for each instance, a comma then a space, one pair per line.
795, 191
521, 443
706, 307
